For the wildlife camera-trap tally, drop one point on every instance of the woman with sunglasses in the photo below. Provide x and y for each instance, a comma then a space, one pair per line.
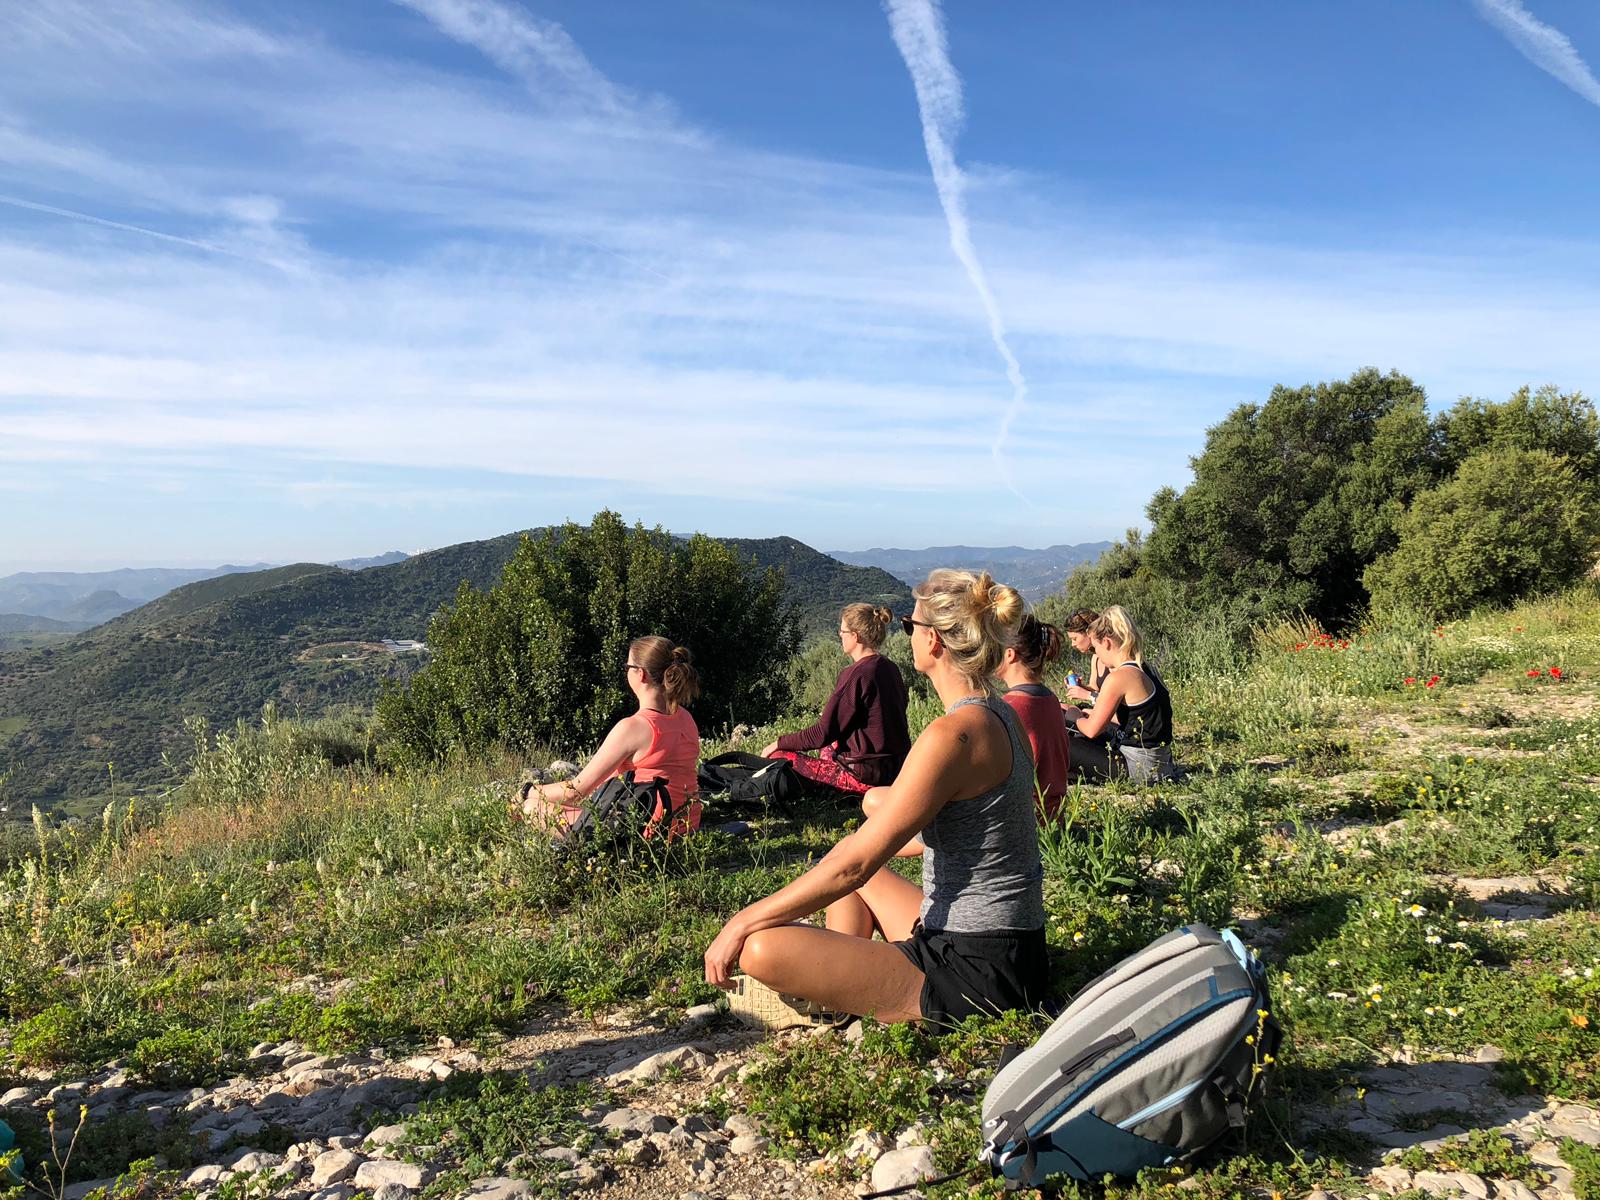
971, 939
862, 733
660, 741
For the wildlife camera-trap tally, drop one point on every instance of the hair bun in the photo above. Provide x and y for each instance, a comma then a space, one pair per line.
680, 654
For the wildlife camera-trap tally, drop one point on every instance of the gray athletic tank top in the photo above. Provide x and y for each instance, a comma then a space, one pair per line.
980, 867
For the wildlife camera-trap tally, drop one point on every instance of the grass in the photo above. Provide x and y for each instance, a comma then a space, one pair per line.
176, 940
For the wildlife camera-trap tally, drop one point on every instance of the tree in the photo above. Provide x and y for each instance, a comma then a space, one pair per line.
538, 658
1291, 499
1562, 424
1510, 523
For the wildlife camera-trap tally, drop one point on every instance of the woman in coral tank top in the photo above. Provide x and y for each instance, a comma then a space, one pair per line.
660, 741
1033, 647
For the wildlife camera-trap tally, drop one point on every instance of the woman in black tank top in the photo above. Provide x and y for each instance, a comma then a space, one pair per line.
1136, 699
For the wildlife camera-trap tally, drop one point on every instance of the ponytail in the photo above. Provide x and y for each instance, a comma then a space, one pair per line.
669, 665
1037, 643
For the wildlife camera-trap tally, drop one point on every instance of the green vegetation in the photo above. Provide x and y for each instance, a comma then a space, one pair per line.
1336, 810
224, 648
537, 659
1293, 500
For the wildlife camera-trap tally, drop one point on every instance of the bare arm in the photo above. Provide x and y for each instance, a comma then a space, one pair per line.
939, 769
1093, 722
871, 801
628, 738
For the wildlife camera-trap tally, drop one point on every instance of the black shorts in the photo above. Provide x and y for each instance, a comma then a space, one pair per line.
971, 973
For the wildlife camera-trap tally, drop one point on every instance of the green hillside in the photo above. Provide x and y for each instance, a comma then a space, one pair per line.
301, 637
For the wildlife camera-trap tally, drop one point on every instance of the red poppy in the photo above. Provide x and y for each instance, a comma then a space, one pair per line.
1432, 681
1555, 672
1534, 674
1410, 679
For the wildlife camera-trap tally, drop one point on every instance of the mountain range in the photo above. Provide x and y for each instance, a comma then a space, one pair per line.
88, 598
1034, 573
111, 702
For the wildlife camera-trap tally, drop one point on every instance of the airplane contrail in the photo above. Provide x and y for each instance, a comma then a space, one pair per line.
1543, 45
919, 35
89, 218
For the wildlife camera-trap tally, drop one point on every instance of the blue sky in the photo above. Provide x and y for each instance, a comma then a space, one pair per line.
305, 280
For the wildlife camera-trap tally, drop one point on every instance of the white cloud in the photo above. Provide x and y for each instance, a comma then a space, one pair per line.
1543, 45
427, 271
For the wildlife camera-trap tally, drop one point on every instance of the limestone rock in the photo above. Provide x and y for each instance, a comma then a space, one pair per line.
748, 1144
1390, 1179
374, 1173
1513, 1189
257, 1160
204, 1176
690, 1059
498, 1187
903, 1168
635, 1122
386, 1135
741, 1126
17, 1097
334, 1166
1451, 1183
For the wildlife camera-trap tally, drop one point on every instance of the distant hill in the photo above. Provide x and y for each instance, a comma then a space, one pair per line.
306, 637
90, 597
1034, 573
27, 623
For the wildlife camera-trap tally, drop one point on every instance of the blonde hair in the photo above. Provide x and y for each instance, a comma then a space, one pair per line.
975, 618
669, 665
1116, 624
869, 622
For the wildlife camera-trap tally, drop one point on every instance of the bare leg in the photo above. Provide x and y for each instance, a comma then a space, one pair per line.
844, 973
886, 903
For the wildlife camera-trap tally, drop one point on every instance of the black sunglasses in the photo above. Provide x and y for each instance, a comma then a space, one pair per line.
910, 623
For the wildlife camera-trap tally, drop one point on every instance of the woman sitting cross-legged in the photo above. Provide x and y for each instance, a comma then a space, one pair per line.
660, 741
972, 938
1035, 646
862, 733
1132, 695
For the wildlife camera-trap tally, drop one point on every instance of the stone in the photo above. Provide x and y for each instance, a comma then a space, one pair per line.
1428, 1139
582, 1068
201, 1176
246, 1127
1391, 1179
741, 1126
723, 1070
748, 1144
252, 1161
1546, 1154
1490, 1054
635, 1122
1513, 1189
1369, 1126
1451, 1183
864, 1143
912, 1135
425, 1065
584, 1175
498, 1187
562, 769
386, 1135
1387, 1104
700, 1014
561, 1154
77, 1191
641, 1153
855, 1031
339, 1191
903, 1168
690, 1059
334, 1166
1576, 1122
17, 1097
392, 1191
374, 1173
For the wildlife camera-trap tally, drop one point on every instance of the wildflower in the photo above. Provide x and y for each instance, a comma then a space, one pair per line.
1429, 1011
1338, 995
1078, 937
1432, 682
1333, 962
1410, 679
1433, 939
1555, 672
1534, 674
1452, 1012
1416, 910
1578, 1019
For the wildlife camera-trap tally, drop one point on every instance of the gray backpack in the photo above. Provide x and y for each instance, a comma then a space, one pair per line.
1151, 1062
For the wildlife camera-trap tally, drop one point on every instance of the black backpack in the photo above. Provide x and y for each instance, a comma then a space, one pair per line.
749, 783
618, 811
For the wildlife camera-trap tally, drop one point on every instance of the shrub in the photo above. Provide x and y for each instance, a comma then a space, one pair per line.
1510, 523
537, 659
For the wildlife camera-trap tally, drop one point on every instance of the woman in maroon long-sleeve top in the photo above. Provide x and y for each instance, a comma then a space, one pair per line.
862, 733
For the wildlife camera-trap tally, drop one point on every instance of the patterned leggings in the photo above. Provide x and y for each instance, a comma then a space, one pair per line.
821, 768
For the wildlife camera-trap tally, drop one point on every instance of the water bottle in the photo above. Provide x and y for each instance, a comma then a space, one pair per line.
1072, 679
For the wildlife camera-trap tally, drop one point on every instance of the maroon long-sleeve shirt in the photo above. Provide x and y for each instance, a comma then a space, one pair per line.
865, 719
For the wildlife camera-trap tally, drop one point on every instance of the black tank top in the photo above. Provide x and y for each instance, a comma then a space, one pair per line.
1148, 723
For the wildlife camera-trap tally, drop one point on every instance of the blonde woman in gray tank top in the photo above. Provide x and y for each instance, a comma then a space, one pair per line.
972, 938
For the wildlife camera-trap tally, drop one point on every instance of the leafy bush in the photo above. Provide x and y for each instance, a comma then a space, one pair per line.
537, 659
1509, 524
